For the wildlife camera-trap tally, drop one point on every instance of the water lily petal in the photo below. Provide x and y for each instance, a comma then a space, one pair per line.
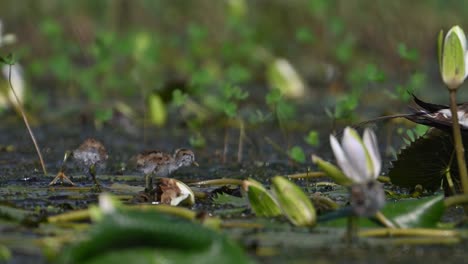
370, 141
460, 34
466, 64
342, 160
356, 154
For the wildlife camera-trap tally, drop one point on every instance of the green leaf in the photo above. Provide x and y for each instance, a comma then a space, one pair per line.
425, 162
197, 141
297, 154
5, 254
179, 98
294, 203
150, 235
261, 201
225, 198
408, 213
304, 35
312, 138
9, 59
332, 171
425, 212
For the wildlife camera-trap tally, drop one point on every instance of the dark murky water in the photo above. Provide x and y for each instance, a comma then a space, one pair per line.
23, 186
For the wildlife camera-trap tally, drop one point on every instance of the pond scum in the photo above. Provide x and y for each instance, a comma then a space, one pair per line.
343, 210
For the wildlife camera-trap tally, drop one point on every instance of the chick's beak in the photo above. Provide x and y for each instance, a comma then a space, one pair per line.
194, 163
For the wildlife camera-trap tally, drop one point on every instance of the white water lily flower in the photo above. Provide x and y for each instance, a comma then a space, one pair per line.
453, 57
17, 80
358, 158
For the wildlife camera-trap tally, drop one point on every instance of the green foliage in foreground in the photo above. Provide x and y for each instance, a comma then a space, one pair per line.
151, 237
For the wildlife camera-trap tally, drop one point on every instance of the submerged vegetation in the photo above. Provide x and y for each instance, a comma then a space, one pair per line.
269, 96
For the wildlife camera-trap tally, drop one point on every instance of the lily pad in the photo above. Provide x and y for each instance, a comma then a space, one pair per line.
425, 212
425, 161
226, 199
144, 235
408, 213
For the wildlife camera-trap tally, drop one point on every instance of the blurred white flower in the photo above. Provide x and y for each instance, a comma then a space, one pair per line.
282, 75
358, 158
17, 80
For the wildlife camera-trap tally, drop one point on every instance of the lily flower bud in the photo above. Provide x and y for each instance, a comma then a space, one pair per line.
452, 57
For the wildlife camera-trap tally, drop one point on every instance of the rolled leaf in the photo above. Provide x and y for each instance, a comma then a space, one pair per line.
261, 201
294, 202
332, 171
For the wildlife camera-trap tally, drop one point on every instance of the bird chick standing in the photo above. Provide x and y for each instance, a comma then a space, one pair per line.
162, 164
90, 156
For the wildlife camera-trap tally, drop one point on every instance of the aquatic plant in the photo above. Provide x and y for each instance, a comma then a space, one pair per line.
361, 162
452, 54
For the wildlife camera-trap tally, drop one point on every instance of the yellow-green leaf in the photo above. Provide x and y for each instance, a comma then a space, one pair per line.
294, 202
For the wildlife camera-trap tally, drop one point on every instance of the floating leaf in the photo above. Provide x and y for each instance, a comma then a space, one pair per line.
294, 202
261, 201
425, 212
408, 213
425, 161
148, 235
224, 198
14, 214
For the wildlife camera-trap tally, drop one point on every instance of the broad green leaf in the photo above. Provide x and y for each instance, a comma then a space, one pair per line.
224, 198
408, 213
294, 203
260, 199
424, 162
424, 212
132, 232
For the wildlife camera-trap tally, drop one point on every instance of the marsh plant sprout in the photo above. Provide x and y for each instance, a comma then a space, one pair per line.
453, 57
360, 161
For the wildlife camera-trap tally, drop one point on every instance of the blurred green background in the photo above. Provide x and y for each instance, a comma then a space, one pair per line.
205, 59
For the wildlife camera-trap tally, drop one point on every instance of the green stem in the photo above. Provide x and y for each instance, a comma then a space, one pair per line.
456, 200
384, 220
351, 231
25, 119
448, 175
315, 174
420, 232
219, 182
458, 142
